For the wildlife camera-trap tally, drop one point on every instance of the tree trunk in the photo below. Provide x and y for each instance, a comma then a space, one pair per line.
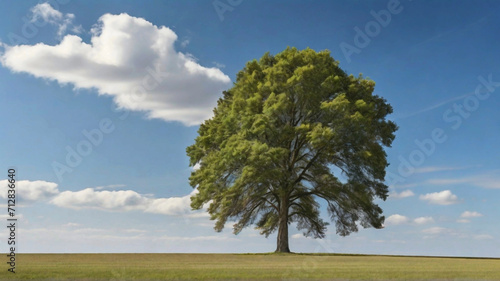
282, 243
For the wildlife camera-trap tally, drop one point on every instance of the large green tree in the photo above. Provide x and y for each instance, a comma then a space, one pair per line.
294, 129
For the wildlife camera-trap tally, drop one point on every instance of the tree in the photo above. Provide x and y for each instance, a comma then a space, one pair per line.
277, 141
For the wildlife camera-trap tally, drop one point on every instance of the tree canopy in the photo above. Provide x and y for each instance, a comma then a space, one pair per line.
293, 131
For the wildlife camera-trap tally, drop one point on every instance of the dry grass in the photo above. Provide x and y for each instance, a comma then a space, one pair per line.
247, 267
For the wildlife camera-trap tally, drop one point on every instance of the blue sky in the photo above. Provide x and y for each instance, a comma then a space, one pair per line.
100, 100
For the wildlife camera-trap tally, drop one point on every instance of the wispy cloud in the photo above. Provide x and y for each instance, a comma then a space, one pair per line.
46, 13
439, 36
4, 217
436, 230
184, 43
401, 186
111, 186
489, 180
482, 237
199, 238
72, 224
219, 65
114, 234
433, 106
432, 169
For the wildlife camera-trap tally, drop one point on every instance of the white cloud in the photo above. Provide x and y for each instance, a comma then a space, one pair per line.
436, 105
46, 13
489, 180
447, 181
403, 194
199, 238
396, 219
5, 217
72, 224
465, 216
131, 60
109, 200
92, 198
432, 169
435, 230
401, 186
468, 214
171, 206
196, 166
30, 190
444, 197
483, 237
134, 230
219, 65
126, 200
111, 186
423, 220
184, 43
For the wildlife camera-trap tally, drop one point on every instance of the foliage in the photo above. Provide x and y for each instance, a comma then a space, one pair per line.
278, 136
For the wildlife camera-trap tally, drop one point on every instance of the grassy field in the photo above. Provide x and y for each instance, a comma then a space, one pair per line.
246, 267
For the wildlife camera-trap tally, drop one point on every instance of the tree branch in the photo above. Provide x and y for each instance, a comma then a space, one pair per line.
304, 170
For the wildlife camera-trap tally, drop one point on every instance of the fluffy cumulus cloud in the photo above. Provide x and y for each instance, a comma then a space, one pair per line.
465, 216
108, 200
423, 220
131, 60
468, 214
444, 197
396, 219
171, 206
30, 190
124, 200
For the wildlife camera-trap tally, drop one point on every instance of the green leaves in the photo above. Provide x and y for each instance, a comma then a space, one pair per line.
266, 153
